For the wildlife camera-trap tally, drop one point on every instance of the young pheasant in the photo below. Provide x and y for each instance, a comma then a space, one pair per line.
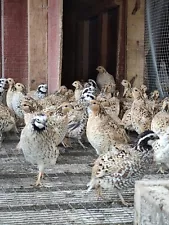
17, 98
40, 93
39, 141
102, 131
103, 77
7, 121
120, 171
10, 93
78, 89
140, 115
160, 121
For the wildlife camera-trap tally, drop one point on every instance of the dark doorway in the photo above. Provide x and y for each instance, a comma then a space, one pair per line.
90, 38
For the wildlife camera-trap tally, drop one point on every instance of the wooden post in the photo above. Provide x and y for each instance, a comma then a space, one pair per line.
37, 43
104, 28
85, 49
55, 40
135, 43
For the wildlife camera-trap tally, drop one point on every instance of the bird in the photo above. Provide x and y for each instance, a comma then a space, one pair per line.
29, 106
18, 96
160, 121
62, 90
10, 92
40, 93
78, 119
78, 89
103, 77
141, 117
38, 141
2, 91
144, 89
161, 151
7, 121
126, 120
127, 93
107, 91
102, 130
119, 171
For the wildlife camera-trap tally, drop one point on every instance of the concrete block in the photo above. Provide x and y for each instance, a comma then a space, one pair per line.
151, 202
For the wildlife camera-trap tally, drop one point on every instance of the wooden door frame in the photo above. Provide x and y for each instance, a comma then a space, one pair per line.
121, 43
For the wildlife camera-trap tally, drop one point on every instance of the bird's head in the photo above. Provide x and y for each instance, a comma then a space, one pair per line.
62, 90
145, 140
109, 88
11, 81
77, 84
155, 95
20, 87
136, 93
94, 107
101, 69
28, 104
39, 122
43, 88
143, 88
126, 84
91, 82
64, 108
165, 105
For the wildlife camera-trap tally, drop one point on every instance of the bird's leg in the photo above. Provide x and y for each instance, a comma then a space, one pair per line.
84, 147
38, 181
99, 192
66, 143
123, 201
161, 170
0, 139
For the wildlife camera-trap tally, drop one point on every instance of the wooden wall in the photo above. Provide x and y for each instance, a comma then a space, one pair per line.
37, 42
135, 42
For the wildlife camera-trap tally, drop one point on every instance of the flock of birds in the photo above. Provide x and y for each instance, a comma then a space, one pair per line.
94, 110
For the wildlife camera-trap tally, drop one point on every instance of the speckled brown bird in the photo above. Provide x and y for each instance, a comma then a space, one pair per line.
39, 142
127, 93
102, 130
78, 89
17, 98
10, 93
41, 92
160, 121
104, 78
120, 171
7, 121
141, 117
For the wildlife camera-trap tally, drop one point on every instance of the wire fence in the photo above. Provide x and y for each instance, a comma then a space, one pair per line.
157, 45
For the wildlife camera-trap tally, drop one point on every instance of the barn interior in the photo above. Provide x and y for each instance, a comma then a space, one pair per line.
90, 38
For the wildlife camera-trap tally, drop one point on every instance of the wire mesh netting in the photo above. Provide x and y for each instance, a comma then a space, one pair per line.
157, 45
62, 199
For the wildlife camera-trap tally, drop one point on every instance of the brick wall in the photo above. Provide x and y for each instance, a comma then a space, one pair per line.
16, 40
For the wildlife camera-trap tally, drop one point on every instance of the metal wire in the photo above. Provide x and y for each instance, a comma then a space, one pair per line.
157, 45
62, 200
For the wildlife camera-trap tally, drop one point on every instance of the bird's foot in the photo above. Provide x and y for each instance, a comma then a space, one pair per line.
161, 170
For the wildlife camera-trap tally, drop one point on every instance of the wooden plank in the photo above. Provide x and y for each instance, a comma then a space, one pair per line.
55, 42
37, 43
85, 50
104, 39
135, 43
